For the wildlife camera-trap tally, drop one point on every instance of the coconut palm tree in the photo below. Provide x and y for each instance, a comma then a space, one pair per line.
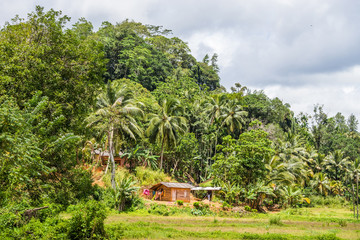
336, 164
290, 162
165, 127
278, 172
321, 183
116, 116
215, 107
316, 161
233, 116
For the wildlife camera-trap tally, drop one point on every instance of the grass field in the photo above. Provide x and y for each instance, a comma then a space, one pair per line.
306, 223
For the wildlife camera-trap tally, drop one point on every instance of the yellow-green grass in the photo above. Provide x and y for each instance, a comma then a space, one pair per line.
314, 223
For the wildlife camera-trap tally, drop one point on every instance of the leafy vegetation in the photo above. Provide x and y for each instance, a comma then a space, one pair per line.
72, 96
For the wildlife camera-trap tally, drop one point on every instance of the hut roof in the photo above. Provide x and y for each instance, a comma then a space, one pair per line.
104, 153
206, 188
172, 185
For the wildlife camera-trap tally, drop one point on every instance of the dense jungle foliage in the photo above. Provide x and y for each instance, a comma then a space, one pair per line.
135, 90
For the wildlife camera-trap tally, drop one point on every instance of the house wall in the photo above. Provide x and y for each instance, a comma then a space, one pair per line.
180, 194
167, 193
118, 160
173, 194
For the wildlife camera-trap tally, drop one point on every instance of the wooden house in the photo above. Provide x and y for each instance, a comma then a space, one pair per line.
170, 191
104, 157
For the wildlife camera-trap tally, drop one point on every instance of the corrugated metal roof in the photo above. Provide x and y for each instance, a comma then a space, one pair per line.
206, 188
172, 185
176, 185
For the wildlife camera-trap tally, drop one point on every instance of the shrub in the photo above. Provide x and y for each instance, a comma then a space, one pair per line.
159, 209
200, 209
225, 206
328, 201
342, 223
247, 208
75, 185
268, 202
196, 205
180, 202
120, 174
275, 220
197, 212
46, 224
8, 219
88, 221
147, 177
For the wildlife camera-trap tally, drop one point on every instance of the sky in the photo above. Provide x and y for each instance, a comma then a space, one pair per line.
304, 52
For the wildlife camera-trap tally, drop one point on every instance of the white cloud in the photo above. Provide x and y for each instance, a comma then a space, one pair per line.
303, 51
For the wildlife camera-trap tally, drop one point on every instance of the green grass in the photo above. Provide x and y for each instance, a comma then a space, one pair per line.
312, 223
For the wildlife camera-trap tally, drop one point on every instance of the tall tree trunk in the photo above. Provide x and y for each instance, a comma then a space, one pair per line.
353, 193
107, 166
357, 195
111, 156
162, 154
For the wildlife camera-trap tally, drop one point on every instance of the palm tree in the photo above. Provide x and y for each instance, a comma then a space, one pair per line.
291, 194
290, 162
354, 173
233, 116
278, 172
215, 107
316, 161
321, 183
336, 163
115, 115
165, 127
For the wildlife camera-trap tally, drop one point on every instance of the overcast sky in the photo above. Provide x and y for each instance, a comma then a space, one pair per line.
305, 52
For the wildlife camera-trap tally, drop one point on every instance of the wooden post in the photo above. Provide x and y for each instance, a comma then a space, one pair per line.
357, 195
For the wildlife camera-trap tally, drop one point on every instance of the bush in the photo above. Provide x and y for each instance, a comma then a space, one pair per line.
52, 228
75, 185
200, 209
159, 209
225, 206
328, 201
247, 208
342, 223
180, 202
9, 219
88, 221
275, 220
120, 174
147, 177
45, 225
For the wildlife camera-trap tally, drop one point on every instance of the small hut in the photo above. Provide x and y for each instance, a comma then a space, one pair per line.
209, 191
104, 157
170, 191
